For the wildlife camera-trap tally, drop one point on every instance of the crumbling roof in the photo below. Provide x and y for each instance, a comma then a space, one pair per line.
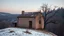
29, 15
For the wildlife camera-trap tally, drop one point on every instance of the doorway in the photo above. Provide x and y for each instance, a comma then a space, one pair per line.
30, 24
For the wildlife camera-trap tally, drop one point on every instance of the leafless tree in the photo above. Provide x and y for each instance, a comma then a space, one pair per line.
46, 10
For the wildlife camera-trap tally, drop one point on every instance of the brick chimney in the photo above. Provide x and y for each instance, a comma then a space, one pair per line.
23, 12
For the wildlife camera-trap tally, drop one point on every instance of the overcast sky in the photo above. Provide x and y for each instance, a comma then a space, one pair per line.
16, 6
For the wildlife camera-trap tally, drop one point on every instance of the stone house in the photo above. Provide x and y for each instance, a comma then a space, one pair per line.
31, 20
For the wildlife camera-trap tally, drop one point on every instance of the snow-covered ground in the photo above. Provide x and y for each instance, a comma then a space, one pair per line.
20, 32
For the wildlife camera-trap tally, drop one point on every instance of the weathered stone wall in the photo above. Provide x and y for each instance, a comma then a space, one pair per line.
24, 22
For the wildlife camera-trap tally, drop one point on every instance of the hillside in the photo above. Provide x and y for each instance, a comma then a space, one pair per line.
8, 16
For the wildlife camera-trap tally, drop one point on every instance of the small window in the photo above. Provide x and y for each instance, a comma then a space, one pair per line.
39, 21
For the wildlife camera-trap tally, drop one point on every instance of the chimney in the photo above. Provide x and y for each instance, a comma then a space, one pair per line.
23, 12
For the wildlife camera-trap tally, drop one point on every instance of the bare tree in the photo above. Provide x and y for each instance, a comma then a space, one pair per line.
45, 9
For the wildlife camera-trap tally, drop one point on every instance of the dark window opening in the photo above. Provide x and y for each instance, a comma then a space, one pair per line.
30, 24
39, 21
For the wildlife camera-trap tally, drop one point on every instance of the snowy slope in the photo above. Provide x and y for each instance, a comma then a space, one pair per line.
20, 32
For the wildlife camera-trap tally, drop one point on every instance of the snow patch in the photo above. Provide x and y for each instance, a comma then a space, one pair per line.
20, 32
